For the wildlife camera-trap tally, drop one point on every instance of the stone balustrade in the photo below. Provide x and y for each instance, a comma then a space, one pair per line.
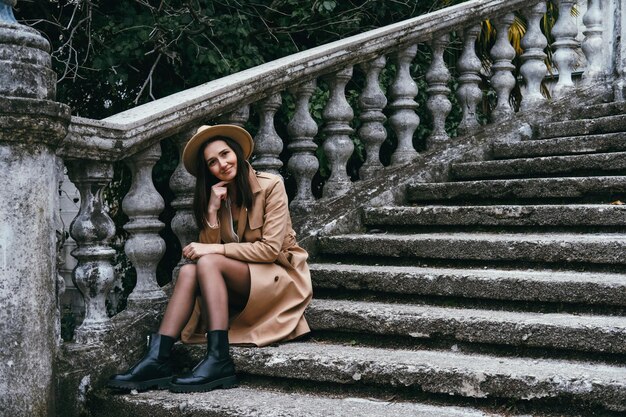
366, 95
387, 110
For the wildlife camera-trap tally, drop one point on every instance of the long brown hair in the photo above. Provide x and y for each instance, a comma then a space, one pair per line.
205, 180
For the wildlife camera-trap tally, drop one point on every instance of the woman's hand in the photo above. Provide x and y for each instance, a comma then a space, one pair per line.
195, 250
219, 192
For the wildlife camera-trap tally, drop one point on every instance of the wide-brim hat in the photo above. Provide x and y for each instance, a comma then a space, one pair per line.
204, 133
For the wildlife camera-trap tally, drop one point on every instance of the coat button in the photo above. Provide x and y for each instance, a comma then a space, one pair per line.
276, 278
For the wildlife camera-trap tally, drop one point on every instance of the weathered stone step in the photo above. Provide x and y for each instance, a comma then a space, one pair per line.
251, 402
523, 188
610, 142
510, 215
446, 372
528, 285
606, 124
546, 330
540, 166
601, 110
533, 247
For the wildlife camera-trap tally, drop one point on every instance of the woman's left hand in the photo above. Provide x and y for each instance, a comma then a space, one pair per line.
195, 250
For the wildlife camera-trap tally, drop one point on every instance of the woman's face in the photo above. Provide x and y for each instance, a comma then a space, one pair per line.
221, 160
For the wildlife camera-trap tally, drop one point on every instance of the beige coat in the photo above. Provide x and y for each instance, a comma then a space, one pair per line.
280, 282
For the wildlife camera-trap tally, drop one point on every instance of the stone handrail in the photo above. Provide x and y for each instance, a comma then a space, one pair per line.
128, 132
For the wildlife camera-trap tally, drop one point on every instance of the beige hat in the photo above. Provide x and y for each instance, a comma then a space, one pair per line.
204, 133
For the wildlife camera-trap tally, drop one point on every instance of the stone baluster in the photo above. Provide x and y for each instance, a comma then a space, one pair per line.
502, 79
592, 44
338, 146
92, 229
438, 102
469, 93
565, 45
182, 184
238, 117
404, 120
533, 67
267, 144
372, 132
302, 163
142, 205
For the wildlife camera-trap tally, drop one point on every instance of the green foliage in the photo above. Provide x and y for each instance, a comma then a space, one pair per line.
113, 55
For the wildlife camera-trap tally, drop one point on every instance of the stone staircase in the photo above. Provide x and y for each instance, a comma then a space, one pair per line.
500, 292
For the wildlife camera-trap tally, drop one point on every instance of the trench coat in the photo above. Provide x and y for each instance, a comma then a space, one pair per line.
280, 281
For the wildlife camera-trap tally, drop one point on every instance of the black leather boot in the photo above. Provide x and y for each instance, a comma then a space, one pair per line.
214, 371
153, 370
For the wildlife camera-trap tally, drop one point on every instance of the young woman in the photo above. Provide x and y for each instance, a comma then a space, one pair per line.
250, 282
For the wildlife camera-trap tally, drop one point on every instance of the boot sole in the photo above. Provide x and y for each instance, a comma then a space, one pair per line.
160, 383
228, 382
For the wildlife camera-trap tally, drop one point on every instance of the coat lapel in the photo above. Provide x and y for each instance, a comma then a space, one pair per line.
254, 216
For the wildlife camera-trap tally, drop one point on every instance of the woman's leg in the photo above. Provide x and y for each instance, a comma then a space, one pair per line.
180, 305
155, 368
222, 280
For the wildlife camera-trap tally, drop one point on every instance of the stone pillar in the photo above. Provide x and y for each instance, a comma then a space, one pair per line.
144, 247
302, 163
592, 44
338, 146
372, 132
403, 120
93, 230
438, 102
533, 67
502, 79
565, 47
182, 183
31, 125
468, 92
267, 144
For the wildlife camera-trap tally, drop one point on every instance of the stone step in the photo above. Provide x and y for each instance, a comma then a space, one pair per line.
510, 215
609, 142
541, 166
596, 248
255, 402
528, 285
599, 125
601, 110
516, 189
544, 330
442, 372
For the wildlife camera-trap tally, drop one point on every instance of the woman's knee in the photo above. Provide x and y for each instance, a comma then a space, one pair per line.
209, 262
187, 275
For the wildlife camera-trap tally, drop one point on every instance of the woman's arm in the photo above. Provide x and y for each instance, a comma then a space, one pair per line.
209, 238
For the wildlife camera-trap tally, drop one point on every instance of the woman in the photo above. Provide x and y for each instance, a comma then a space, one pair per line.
250, 282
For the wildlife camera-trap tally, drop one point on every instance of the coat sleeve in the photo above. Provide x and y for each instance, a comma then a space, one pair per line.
273, 230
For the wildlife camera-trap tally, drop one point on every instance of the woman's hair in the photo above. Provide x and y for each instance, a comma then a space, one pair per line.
205, 180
